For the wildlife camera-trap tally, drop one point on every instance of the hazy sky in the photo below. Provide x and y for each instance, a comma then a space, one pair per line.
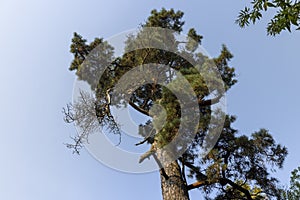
35, 84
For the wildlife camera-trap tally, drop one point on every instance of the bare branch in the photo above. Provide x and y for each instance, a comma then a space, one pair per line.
147, 155
68, 114
152, 152
89, 116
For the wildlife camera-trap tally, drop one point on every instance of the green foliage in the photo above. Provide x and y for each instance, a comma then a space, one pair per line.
196, 39
246, 161
293, 193
89, 71
256, 192
165, 19
287, 15
227, 72
238, 166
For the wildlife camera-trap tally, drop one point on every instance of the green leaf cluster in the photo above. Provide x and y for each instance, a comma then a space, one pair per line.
287, 15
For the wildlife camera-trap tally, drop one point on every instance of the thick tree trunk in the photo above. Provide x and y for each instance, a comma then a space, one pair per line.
175, 187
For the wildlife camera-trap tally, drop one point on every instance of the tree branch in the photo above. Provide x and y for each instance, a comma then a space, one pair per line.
238, 187
210, 101
196, 170
137, 108
149, 153
149, 138
197, 184
225, 181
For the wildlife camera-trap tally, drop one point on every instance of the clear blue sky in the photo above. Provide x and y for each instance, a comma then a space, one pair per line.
36, 84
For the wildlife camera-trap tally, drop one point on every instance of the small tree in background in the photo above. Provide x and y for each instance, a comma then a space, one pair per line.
293, 193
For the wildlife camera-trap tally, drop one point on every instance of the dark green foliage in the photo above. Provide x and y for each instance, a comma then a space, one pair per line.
196, 39
165, 19
238, 166
287, 15
81, 50
293, 193
227, 72
245, 161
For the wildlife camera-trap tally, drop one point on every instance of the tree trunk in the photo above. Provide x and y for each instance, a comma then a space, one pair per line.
175, 187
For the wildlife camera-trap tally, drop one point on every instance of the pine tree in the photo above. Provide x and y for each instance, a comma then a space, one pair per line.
236, 168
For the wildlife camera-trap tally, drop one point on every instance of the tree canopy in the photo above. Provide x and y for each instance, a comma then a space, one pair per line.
238, 166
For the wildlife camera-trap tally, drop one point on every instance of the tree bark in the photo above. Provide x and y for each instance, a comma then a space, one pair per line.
173, 188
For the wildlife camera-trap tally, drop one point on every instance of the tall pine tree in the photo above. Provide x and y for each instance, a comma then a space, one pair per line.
238, 167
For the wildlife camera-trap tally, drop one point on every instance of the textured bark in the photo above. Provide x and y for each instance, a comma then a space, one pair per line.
175, 187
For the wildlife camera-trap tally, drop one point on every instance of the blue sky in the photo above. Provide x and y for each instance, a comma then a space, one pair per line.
36, 84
